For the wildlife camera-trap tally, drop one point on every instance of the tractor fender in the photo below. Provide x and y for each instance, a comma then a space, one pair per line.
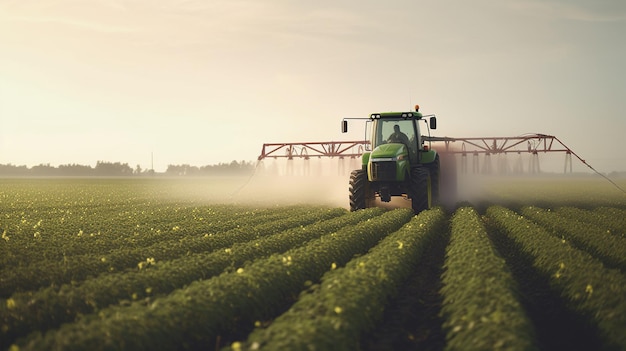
365, 159
427, 156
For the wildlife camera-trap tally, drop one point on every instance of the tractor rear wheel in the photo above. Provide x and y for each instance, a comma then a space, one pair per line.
420, 189
359, 190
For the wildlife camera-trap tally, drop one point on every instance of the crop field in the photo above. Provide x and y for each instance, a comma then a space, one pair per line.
162, 264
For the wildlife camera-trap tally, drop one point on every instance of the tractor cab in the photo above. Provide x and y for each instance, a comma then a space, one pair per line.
397, 134
401, 129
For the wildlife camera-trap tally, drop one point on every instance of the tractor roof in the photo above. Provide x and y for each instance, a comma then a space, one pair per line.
395, 115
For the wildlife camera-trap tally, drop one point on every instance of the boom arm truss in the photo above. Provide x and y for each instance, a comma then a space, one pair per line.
313, 149
530, 143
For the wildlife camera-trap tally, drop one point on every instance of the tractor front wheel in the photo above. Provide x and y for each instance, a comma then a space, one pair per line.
420, 189
359, 190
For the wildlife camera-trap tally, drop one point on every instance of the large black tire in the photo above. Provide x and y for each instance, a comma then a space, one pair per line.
435, 175
359, 190
420, 189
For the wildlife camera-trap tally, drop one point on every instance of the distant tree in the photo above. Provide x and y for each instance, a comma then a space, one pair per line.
75, 170
174, 170
191, 170
44, 170
182, 170
13, 171
232, 168
112, 169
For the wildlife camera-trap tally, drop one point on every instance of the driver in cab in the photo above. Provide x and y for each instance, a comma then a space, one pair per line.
397, 136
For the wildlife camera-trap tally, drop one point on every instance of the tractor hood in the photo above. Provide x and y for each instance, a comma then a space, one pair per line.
388, 152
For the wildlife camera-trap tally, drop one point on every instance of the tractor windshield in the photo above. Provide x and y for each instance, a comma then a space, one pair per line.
395, 131
401, 131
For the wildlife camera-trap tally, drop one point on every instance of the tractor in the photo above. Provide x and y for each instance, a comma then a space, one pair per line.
397, 162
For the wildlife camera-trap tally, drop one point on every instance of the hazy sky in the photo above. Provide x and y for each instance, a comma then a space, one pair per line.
203, 82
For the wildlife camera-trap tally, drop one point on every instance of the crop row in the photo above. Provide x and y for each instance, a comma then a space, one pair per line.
599, 242
613, 220
480, 305
199, 313
76, 268
47, 236
49, 307
331, 315
52, 219
584, 284
324, 281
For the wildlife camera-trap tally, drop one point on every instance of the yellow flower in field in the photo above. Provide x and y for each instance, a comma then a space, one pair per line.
333, 266
11, 304
239, 270
589, 289
400, 244
338, 309
149, 261
561, 268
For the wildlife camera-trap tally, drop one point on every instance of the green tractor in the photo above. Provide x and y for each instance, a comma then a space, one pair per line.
397, 163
